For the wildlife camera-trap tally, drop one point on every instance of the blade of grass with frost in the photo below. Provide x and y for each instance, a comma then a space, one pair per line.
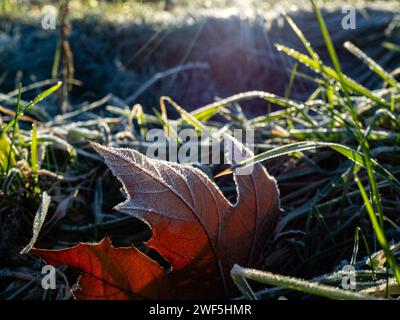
184, 114
391, 46
288, 91
377, 116
243, 286
335, 134
289, 88
303, 39
52, 140
56, 61
272, 116
137, 112
40, 217
83, 109
313, 80
170, 131
354, 256
321, 219
34, 158
207, 112
349, 153
301, 285
371, 64
380, 234
7, 156
125, 113
314, 55
351, 84
353, 259
37, 99
272, 98
392, 103
215, 106
164, 116
43, 95
35, 85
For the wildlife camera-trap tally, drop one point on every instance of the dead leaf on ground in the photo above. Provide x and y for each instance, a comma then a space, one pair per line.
194, 227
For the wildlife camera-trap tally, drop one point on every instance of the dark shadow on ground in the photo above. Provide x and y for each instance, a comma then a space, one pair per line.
119, 58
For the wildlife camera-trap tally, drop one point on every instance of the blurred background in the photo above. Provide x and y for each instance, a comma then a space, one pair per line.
193, 51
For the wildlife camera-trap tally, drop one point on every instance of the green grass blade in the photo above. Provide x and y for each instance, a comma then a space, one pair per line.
371, 64
201, 113
184, 114
56, 61
303, 39
391, 46
7, 157
356, 156
34, 158
43, 95
37, 99
350, 83
380, 234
